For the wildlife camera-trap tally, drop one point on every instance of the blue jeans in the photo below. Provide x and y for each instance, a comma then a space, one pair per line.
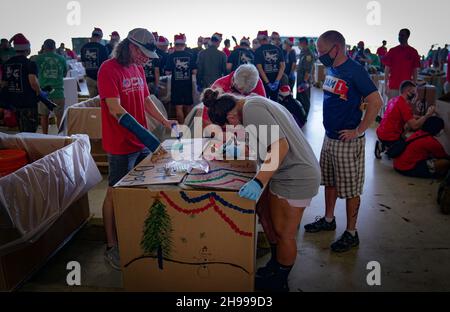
121, 165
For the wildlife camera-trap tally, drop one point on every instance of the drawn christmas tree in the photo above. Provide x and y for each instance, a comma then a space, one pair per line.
157, 238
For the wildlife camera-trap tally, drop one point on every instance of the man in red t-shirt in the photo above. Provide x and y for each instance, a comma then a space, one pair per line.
244, 81
399, 113
381, 52
124, 100
402, 63
424, 157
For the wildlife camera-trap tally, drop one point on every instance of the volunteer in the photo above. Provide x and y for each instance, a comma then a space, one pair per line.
124, 100
288, 169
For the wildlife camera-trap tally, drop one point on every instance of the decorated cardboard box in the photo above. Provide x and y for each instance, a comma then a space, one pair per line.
175, 237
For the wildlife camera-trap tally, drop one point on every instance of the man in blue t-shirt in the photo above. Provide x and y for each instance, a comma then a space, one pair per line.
347, 86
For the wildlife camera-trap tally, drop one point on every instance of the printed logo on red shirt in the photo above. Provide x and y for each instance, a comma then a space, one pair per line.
132, 84
336, 86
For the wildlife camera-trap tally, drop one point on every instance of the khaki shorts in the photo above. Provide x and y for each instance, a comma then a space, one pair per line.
92, 87
59, 111
343, 166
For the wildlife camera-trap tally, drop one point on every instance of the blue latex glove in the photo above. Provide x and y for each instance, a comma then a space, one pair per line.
146, 137
43, 97
302, 87
251, 190
276, 85
292, 76
231, 151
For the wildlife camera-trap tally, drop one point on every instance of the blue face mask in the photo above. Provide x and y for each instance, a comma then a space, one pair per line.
326, 59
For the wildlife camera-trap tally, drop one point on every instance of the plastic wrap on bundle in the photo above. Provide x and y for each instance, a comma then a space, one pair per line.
33, 197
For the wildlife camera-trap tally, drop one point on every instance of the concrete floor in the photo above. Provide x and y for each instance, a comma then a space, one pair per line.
400, 226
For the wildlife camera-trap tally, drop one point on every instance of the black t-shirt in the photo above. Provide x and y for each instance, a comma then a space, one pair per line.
270, 57
239, 57
291, 58
93, 55
181, 64
18, 92
162, 59
149, 69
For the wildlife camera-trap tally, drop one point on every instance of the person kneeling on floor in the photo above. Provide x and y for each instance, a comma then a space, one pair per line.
399, 114
288, 168
425, 156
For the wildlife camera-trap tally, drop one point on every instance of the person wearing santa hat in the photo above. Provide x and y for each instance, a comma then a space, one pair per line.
162, 46
93, 54
115, 39
125, 99
181, 66
270, 62
240, 55
275, 39
20, 85
212, 63
290, 57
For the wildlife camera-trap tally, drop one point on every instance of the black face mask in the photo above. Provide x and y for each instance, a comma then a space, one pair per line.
411, 96
326, 59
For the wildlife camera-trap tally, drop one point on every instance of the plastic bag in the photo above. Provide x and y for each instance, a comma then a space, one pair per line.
185, 166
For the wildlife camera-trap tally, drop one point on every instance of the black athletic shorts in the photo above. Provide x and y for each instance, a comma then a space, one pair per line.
181, 94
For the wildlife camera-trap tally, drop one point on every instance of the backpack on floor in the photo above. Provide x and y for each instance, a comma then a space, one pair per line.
397, 149
444, 195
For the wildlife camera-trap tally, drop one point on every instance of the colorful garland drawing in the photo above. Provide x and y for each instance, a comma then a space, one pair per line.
220, 178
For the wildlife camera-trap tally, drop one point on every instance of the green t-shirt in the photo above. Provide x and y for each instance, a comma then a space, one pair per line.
375, 60
52, 70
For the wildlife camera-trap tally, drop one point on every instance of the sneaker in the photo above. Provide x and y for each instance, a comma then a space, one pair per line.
267, 269
379, 149
320, 224
273, 282
346, 242
113, 258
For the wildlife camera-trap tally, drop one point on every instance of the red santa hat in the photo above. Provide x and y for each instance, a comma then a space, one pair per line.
115, 35
162, 41
290, 41
217, 37
262, 34
97, 32
180, 39
20, 43
285, 91
245, 41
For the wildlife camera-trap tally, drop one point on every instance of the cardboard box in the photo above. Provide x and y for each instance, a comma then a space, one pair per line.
17, 266
443, 111
201, 239
427, 98
212, 240
43, 203
319, 73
